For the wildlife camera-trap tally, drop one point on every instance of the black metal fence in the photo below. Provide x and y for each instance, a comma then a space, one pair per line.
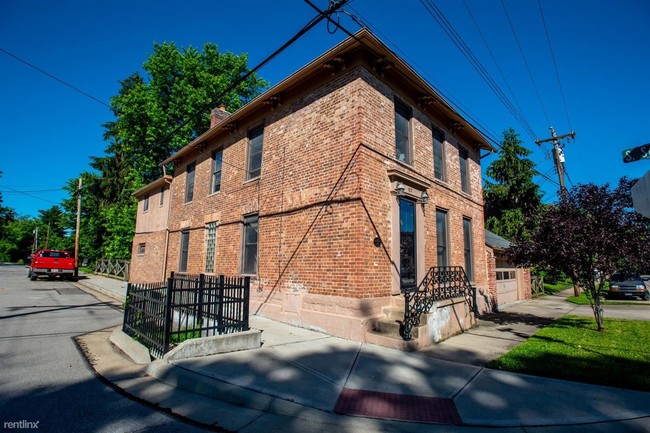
440, 283
162, 315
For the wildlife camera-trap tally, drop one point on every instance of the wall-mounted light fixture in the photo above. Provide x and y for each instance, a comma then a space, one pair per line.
399, 189
424, 197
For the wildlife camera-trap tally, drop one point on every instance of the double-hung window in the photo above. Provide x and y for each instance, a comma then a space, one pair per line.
442, 237
464, 169
438, 154
467, 248
145, 205
189, 182
403, 116
249, 244
255, 144
217, 158
185, 248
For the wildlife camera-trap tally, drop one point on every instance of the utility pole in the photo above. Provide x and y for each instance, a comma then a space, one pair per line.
558, 155
76, 234
35, 248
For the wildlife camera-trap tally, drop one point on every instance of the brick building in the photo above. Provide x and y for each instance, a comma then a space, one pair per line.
335, 190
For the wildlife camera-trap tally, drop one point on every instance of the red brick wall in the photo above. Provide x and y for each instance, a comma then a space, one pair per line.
322, 198
148, 267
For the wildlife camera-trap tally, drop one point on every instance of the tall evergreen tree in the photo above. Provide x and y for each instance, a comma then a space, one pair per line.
511, 198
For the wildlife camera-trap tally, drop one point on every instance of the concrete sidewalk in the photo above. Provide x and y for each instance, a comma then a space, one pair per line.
303, 380
112, 287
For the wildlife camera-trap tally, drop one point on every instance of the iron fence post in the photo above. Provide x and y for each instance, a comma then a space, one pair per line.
406, 326
168, 315
474, 299
126, 306
247, 294
201, 288
220, 290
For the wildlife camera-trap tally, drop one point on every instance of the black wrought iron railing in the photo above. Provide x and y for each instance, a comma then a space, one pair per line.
161, 315
440, 283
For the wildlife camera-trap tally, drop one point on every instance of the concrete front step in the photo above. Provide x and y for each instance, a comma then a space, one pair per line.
393, 312
392, 341
386, 334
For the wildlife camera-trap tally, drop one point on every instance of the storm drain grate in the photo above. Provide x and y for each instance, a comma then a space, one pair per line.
397, 407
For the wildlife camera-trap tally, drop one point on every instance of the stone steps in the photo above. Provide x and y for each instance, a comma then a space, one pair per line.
386, 331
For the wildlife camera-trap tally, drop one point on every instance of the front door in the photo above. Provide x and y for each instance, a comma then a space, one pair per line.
407, 247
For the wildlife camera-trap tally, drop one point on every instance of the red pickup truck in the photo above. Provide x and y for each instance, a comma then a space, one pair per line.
51, 263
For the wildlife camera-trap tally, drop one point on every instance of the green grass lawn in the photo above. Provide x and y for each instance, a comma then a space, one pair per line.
572, 349
583, 300
554, 288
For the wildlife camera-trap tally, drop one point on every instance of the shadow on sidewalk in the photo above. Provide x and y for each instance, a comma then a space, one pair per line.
509, 318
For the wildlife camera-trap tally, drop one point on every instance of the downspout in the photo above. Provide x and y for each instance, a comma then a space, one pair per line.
169, 202
164, 270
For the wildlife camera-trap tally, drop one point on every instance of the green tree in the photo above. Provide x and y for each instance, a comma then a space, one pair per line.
155, 115
592, 231
54, 225
512, 198
17, 242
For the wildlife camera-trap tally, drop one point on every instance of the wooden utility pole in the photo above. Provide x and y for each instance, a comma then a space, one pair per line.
558, 155
76, 234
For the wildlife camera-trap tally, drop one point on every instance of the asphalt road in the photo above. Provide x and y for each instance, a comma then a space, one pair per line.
44, 380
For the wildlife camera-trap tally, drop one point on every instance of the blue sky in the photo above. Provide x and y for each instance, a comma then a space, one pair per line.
601, 49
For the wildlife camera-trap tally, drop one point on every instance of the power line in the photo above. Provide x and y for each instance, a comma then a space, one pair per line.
42, 71
322, 14
557, 74
523, 56
334, 5
494, 60
30, 195
439, 17
485, 130
31, 191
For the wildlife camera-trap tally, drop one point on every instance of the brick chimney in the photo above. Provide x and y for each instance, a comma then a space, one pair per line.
218, 115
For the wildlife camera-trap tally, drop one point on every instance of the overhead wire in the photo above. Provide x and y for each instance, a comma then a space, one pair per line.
485, 130
523, 56
322, 14
312, 23
494, 60
30, 195
42, 71
557, 74
439, 17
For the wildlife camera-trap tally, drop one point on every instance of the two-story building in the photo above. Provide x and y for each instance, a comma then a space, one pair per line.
335, 190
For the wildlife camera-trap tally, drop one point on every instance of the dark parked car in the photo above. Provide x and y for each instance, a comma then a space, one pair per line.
623, 284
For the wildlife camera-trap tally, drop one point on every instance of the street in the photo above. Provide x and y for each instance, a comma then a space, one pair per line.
46, 384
